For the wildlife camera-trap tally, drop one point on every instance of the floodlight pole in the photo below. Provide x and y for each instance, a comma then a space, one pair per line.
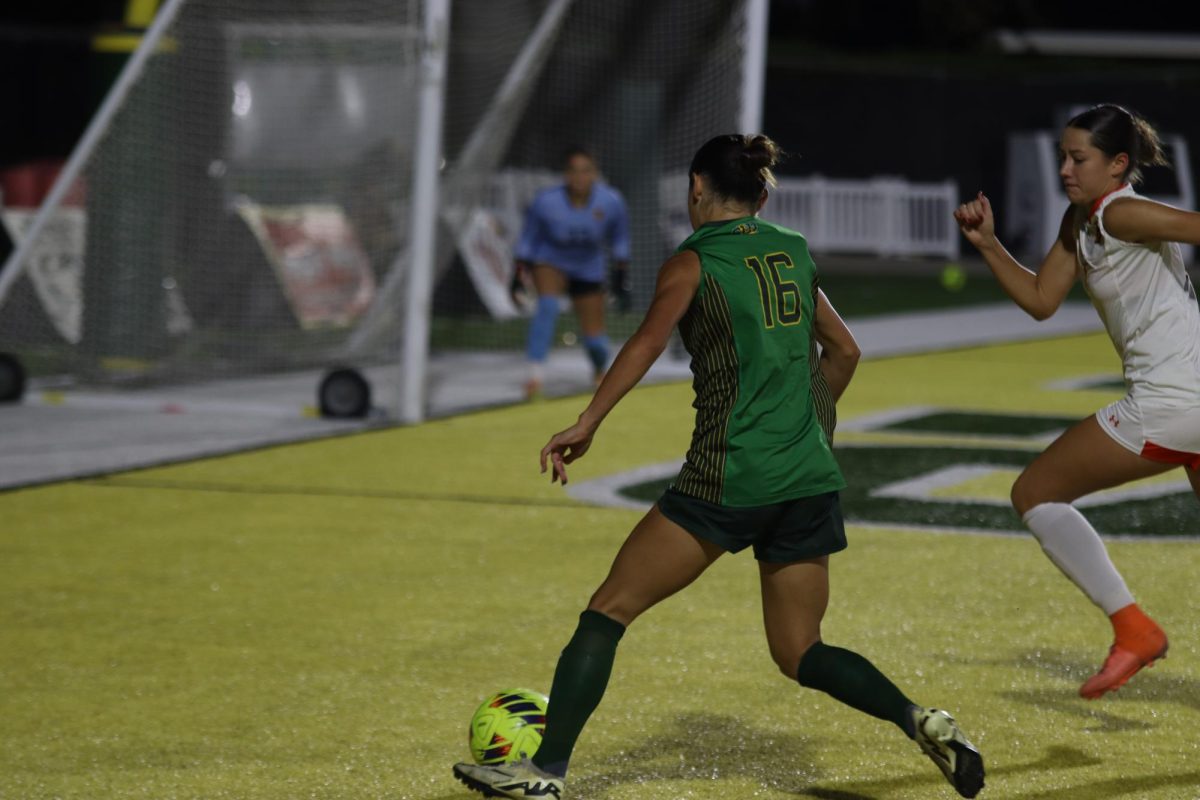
427, 168
96, 129
754, 66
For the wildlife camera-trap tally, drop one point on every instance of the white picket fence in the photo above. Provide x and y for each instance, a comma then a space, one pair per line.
886, 216
880, 216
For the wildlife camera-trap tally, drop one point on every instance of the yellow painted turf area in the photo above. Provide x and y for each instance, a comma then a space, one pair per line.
320, 621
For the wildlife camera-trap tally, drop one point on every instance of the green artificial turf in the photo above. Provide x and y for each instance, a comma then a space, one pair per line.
321, 620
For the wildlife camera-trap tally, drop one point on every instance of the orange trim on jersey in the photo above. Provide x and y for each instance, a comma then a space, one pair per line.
1166, 455
1100, 199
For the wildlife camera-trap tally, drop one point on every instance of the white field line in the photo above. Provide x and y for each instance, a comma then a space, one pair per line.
923, 486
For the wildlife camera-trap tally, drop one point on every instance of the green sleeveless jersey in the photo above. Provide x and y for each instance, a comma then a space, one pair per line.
749, 332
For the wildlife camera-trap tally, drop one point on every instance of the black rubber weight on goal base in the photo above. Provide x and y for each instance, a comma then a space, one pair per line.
344, 392
12, 379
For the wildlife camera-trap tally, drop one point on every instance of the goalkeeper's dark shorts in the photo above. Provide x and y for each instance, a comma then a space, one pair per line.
579, 288
794, 530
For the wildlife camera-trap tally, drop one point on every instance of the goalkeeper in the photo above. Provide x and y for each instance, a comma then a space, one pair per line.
570, 233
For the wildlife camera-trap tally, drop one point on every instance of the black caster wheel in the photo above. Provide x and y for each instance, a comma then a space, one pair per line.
344, 394
12, 379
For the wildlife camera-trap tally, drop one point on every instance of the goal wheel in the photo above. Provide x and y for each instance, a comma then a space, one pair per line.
12, 379
344, 393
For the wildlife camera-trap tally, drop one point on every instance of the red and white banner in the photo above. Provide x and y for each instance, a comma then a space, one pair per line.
489, 261
323, 270
55, 265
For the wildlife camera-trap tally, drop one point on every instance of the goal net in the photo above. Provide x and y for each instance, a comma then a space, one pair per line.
243, 220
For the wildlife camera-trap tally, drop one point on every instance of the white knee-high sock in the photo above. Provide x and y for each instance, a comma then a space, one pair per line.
1073, 545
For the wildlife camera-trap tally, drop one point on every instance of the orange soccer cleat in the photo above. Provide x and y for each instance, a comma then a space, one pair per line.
1139, 643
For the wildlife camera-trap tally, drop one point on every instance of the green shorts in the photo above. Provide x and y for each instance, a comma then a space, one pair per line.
794, 530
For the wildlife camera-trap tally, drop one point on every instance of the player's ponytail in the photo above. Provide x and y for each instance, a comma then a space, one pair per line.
1150, 149
738, 166
1117, 130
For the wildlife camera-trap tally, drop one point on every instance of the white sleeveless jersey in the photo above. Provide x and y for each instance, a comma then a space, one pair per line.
1148, 306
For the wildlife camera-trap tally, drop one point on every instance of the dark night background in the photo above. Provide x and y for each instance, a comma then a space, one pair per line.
854, 88
921, 89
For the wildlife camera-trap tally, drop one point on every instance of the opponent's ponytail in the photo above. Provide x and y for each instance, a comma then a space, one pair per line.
1117, 130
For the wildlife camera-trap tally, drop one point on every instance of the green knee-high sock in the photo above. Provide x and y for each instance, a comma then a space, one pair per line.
579, 683
849, 678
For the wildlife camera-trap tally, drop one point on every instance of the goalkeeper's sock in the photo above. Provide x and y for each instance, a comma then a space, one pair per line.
851, 679
541, 329
597, 350
579, 682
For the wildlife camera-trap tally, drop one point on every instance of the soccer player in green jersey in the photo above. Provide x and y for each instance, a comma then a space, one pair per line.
759, 472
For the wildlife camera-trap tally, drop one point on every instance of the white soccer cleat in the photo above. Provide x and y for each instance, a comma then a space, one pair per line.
940, 738
518, 779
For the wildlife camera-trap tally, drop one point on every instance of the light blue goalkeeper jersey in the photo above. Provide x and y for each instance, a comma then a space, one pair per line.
577, 241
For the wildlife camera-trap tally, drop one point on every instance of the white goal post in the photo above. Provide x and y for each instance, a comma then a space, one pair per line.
278, 188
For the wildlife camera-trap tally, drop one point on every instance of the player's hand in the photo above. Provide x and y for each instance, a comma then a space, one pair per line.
622, 294
976, 221
563, 448
517, 288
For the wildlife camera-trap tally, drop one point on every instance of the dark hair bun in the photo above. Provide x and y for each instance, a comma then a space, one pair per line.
739, 165
760, 153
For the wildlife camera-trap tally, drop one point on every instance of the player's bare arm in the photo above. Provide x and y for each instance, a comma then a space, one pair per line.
678, 280
1138, 220
1040, 293
839, 351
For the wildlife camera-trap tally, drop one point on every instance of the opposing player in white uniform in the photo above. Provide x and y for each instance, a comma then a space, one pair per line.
1123, 247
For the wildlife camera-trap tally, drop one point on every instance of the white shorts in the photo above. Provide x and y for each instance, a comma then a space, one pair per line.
1159, 433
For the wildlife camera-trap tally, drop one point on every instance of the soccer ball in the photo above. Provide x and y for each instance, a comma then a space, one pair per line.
508, 726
